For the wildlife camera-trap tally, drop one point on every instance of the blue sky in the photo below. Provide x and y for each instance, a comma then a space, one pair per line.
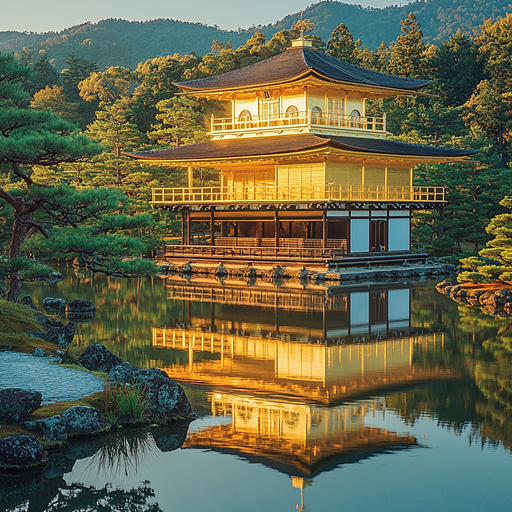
55, 15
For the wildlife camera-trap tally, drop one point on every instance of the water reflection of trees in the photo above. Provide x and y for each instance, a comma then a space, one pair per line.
47, 490
479, 347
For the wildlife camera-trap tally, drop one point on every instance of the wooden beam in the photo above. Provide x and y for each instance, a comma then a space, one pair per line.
276, 221
190, 176
188, 229
183, 215
212, 227
324, 230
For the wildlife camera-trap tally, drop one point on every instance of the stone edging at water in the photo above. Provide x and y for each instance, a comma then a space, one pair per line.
167, 401
347, 275
496, 299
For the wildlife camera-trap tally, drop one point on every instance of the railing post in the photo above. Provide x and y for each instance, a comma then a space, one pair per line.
384, 122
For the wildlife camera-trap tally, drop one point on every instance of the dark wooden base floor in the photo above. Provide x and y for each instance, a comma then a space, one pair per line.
332, 258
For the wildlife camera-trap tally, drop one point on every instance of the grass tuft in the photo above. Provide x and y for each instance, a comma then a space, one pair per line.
127, 404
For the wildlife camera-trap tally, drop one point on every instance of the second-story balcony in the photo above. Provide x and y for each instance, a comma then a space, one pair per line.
294, 194
306, 121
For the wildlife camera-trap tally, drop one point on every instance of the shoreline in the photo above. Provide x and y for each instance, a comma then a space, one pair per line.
495, 297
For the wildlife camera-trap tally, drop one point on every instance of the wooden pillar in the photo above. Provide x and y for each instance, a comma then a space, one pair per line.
324, 229
276, 218
188, 229
190, 176
183, 215
212, 227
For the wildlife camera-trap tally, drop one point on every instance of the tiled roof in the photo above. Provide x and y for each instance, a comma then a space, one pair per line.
296, 62
273, 146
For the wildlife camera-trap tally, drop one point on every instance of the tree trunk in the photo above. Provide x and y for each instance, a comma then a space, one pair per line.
19, 233
502, 151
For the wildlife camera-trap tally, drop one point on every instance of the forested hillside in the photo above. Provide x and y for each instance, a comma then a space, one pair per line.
116, 42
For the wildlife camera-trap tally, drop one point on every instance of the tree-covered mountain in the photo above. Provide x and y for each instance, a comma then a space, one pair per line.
119, 42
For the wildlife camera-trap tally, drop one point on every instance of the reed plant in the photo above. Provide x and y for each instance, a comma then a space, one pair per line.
126, 404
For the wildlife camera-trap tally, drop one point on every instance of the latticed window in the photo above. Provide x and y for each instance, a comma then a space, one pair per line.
336, 106
269, 108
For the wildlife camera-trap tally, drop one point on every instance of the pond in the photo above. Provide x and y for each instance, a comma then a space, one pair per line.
374, 397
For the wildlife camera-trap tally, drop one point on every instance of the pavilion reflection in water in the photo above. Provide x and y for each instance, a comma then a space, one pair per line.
318, 344
283, 362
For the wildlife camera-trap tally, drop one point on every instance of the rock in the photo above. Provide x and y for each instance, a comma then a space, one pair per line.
36, 334
16, 405
54, 303
80, 307
5, 348
83, 420
221, 270
443, 284
187, 268
59, 352
277, 272
39, 352
52, 428
27, 301
55, 276
44, 320
55, 359
98, 359
167, 396
303, 273
61, 336
21, 452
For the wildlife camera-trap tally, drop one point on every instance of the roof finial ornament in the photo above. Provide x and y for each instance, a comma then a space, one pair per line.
303, 25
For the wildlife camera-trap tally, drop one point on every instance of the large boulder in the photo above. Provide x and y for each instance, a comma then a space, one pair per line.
83, 420
16, 405
44, 320
167, 397
21, 452
52, 428
98, 359
80, 307
61, 336
53, 303
27, 301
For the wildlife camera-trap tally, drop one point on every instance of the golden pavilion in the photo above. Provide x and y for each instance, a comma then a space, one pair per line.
305, 175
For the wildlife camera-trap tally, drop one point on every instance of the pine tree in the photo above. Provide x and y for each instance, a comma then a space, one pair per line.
29, 137
117, 135
342, 46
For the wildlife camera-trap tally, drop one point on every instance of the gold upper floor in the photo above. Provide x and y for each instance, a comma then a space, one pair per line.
300, 109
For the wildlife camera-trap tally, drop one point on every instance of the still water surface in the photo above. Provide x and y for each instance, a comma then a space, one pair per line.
374, 397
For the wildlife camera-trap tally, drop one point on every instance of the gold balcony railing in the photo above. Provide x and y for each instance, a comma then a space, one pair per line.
297, 119
293, 194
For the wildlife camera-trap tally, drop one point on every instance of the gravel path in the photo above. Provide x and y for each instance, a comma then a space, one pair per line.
54, 382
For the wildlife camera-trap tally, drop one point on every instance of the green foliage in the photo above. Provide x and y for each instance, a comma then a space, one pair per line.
128, 403
55, 99
407, 57
113, 130
181, 122
342, 46
498, 249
